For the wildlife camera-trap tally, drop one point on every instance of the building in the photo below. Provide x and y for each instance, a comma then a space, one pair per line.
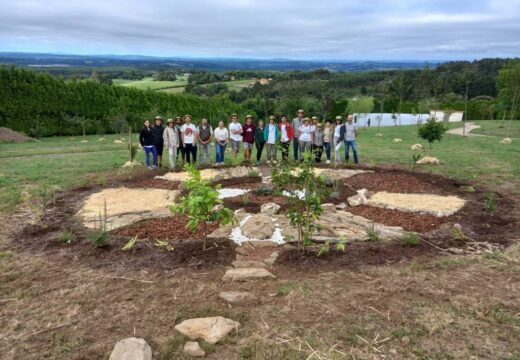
447, 115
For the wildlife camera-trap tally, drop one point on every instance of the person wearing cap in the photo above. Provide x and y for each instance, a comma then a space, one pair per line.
171, 140
235, 135
350, 134
248, 137
189, 139
286, 135
306, 137
259, 141
318, 143
328, 136
205, 135
271, 136
158, 131
296, 124
146, 139
338, 138
178, 126
221, 139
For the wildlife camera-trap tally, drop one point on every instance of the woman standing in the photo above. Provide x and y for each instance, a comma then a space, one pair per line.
146, 138
171, 140
328, 134
306, 137
259, 141
286, 136
221, 139
318, 143
337, 139
271, 136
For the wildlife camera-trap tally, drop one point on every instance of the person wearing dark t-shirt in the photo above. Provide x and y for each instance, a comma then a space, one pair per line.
248, 137
158, 131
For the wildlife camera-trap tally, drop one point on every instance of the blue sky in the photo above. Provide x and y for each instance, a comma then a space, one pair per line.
326, 29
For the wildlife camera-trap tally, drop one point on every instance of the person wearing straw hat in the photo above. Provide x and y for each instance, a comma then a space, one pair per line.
248, 137
158, 131
338, 138
271, 136
235, 135
328, 137
306, 139
318, 143
171, 140
180, 150
259, 140
189, 139
296, 124
351, 132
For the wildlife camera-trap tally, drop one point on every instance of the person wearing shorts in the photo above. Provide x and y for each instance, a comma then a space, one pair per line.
158, 131
248, 137
235, 135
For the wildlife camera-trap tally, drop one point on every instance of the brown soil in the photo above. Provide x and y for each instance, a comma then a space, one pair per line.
168, 228
254, 202
397, 182
9, 135
240, 182
408, 221
155, 184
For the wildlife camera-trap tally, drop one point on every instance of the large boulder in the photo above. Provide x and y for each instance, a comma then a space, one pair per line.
359, 199
258, 227
211, 329
429, 160
416, 147
269, 208
131, 349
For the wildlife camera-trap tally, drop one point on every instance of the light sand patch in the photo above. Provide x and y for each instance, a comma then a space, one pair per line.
125, 206
209, 174
437, 205
333, 173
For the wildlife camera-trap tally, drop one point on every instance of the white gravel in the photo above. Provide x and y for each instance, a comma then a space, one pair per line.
298, 193
227, 193
239, 238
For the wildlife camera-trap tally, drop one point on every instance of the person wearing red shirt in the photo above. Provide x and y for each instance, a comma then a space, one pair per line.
248, 137
286, 135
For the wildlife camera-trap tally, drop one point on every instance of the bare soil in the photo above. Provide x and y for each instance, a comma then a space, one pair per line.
9, 135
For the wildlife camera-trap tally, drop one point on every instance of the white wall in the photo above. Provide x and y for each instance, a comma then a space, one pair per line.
440, 114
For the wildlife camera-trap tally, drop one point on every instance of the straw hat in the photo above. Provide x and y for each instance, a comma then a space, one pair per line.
249, 116
169, 121
314, 118
272, 117
158, 118
339, 117
301, 111
187, 116
306, 119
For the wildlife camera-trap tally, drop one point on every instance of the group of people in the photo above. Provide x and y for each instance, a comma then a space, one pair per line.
182, 137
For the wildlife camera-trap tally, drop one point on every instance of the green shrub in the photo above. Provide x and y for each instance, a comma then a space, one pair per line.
99, 238
490, 201
65, 237
264, 190
253, 174
411, 239
373, 234
432, 131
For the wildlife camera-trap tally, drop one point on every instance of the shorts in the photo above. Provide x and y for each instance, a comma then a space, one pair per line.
235, 145
159, 148
248, 146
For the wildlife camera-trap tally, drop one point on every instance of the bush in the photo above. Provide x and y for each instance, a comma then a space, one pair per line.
490, 201
99, 238
65, 237
411, 239
264, 190
432, 131
373, 234
253, 174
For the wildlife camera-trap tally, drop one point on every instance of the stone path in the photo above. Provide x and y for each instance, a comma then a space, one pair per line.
460, 131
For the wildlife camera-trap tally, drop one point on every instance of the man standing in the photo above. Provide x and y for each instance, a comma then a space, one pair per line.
271, 136
286, 135
178, 126
248, 136
296, 124
171, 140
158, 131
189, 136
235, 134
205, 134
351, 132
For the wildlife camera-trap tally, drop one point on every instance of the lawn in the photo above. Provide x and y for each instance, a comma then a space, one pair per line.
64, 162
235, 84
498, 128
150, 84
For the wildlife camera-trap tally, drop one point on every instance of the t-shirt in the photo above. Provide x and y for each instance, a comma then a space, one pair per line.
235, 127
326, 135
285, 137
249, 133
305, 132
296, 124
189, 131
337, 131
271, 133
350, 131
221, 134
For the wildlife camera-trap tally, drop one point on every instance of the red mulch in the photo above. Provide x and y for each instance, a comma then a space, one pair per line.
167, 228
394, 182
154, 183
420, 223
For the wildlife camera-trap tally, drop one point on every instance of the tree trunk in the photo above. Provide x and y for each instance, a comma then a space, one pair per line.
465, 110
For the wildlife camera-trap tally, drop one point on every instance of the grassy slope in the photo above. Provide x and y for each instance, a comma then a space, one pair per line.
498, 128
66, 161
150, 84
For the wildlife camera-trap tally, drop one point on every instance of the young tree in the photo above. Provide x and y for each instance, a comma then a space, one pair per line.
508, 81
432, 131
360, 105
468, 77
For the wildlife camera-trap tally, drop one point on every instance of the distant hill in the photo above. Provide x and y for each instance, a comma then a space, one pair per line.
46, 61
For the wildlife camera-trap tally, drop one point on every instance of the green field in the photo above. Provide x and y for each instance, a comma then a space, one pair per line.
498, 128
150, 84
236, 84
64, 162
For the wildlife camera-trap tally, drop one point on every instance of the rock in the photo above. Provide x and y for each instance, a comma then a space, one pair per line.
131, 349
359, 199
131, 164
247, 264
405, 340
259, 227
341, 206
211, 329
398, 140
101, 139
118, 141
192, 348
272, 258
416, 147
244, 274
429, 160
222, 232
242, 250
379, 134
234, 297
506, 141
269, 208
260, 244
173, 195
84, 141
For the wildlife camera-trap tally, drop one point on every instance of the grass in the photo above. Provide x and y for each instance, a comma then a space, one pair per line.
27, 169
498, 128
151, 84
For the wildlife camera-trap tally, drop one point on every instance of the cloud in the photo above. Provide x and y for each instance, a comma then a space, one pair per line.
378, 29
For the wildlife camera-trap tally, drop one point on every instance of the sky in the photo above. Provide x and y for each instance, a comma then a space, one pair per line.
324, 29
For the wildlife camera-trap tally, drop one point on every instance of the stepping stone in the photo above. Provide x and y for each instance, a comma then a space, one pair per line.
242, 251
131, 348
260, 244
192, 348
236, 296
272, 258
247, 264
244, 274
211, 329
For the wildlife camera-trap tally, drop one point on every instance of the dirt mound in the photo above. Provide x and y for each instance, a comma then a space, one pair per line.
9, 135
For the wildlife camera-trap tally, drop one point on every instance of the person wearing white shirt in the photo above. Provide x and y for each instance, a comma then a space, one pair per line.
337, 139
189, 136
306, 137
351, 133
221, 135
235, 134
271, 135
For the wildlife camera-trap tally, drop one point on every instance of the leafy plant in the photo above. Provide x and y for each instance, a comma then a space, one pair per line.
164, 244
200, 203
253, 174
264, 190
490, 201
65, 236
415, 159
432, 131
372, 233
458, 234
99, 238
411, 239
245, 199
130, 244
